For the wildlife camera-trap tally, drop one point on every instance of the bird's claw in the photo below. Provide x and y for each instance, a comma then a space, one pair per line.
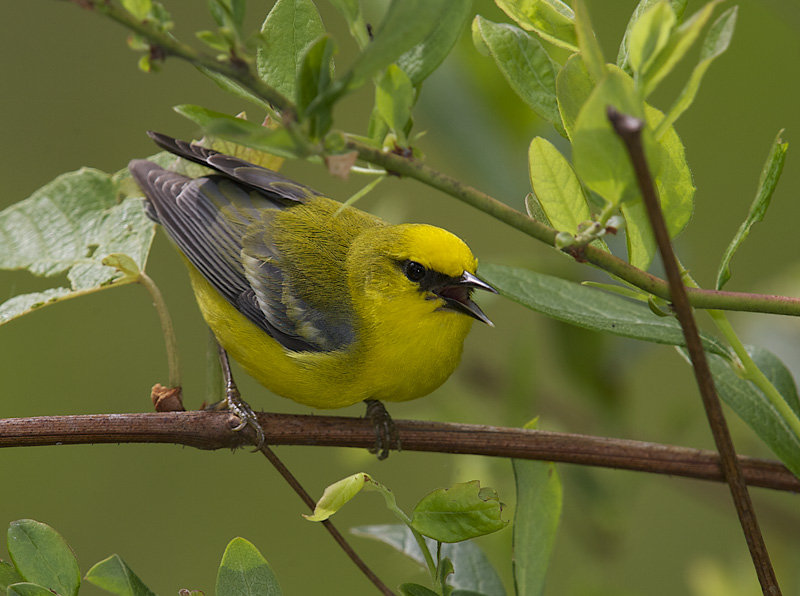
247, 417
386, 436
234, 403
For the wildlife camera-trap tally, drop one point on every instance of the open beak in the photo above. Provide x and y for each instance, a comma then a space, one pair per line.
457, 292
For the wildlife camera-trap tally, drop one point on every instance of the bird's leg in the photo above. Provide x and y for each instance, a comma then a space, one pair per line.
386, 435
235, 404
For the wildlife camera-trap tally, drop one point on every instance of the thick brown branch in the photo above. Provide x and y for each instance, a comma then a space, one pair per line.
212, 430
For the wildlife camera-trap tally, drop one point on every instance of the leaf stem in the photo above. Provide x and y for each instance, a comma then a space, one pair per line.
166, 327
753, 373
391, 503
750, 370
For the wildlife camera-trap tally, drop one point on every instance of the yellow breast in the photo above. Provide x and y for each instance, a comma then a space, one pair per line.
407, 356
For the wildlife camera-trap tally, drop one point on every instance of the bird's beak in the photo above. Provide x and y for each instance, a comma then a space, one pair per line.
457, 292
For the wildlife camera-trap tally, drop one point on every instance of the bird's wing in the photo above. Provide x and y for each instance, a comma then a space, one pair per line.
224, 227
276, 186
295, 264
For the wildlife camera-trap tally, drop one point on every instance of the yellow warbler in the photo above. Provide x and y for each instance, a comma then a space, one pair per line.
325, 305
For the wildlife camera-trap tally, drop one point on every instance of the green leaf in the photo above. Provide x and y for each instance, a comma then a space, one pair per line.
460, 512
443, 571
650, 35
351, 10
113, 575
244, 572
524, 63
538, 510
407, 23
752, 406
394, 97
680, 40
673, 177
240, 131
227, 13
715, 43
234, 88
214, 41
140, 9
397, 536
589, 308
70, 225
415, 590
534, 209
675, 189
639, 237
421, 60
43, 557
632, 292
123, 263
552, 20
587, 42
207, 118
770, 175
574, 86
27, 303
603, 164
472, 569
8, 575
599, 156
290, 27
339, 493
314, 80
556, 187
623, 61
28, 589
777, 373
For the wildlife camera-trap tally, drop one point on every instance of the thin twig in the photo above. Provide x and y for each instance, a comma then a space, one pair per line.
629, 130
168, 45
212, 430
332, 529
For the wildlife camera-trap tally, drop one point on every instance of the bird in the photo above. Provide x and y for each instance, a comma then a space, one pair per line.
321, 303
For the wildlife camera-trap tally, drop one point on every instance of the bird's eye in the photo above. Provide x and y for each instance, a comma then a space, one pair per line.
414, 271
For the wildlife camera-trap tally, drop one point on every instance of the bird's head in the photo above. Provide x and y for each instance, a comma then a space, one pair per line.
420, 269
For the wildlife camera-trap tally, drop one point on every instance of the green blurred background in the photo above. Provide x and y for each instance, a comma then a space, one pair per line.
72, 96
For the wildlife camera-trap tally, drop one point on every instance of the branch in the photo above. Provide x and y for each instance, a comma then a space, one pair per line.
699, 298
170, 46
212, 430
629, 130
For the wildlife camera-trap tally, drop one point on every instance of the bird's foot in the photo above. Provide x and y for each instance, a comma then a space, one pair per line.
234, 403
386, 436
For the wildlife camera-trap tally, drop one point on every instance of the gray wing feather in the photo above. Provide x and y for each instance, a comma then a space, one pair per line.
211, 218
